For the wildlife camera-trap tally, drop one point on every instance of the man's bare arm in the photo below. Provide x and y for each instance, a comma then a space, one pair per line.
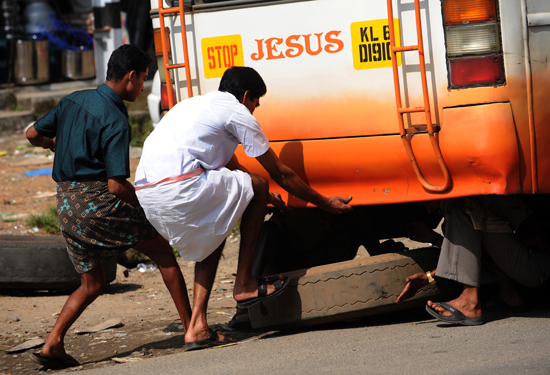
121, 188
291, 182
38, 140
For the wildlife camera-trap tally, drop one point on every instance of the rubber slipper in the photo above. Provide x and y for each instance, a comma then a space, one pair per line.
457, 317
54, 363
209, 342
241, 320
262, 291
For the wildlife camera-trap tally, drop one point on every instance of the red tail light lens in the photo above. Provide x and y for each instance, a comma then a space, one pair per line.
164, 96
477, 71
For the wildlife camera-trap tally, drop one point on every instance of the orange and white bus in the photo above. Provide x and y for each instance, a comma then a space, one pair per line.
389, 101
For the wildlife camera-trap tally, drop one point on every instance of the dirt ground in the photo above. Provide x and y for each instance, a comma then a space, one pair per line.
21, 195
139, 300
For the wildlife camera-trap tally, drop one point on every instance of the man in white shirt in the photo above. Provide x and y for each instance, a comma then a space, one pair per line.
194, 190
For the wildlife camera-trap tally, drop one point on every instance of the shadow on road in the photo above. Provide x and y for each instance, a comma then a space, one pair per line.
415, 315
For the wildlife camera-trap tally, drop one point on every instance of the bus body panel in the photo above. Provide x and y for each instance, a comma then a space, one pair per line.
483, 165
330, 110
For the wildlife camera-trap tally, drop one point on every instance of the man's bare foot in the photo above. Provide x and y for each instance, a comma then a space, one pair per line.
192, 336
56, 350
467, 303
470, 309
213, 339
464, 310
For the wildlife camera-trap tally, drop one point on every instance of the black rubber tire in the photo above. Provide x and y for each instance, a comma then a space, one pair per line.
40, 262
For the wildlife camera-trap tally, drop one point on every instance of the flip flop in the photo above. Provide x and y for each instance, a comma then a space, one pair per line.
209, 342
262, 290
54, 363
241, 320
457, 317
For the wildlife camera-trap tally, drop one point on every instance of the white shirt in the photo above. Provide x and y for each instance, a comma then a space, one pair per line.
197, 214
200, 131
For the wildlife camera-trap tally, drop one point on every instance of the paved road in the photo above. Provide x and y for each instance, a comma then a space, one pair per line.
401, 343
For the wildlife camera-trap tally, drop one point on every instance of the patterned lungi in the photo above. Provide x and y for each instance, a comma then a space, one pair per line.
96, 224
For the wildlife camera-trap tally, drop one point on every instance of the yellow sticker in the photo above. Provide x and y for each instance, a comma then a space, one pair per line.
371, 44
220, 53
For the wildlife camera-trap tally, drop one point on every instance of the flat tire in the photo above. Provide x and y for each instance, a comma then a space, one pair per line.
346, 290
40, 262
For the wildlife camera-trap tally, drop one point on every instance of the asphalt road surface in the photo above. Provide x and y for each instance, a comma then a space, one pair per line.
407, 342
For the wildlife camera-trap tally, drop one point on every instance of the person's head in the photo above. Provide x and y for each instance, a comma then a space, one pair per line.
125, 59
128, 67
245, 84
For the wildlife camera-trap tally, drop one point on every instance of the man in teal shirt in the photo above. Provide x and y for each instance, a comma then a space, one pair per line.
99, 213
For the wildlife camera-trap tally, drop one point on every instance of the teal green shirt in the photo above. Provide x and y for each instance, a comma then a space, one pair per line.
92, 136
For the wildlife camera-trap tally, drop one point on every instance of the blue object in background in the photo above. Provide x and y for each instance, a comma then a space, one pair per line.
67, 37
39, 172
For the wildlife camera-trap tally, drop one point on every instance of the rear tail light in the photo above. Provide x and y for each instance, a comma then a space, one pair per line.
460, 12
164, 96
158, 42
480, 39
157, 37
472, 36
477, 71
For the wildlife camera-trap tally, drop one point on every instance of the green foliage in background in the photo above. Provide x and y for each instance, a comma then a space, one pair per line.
142, 126
49, 220
139, 118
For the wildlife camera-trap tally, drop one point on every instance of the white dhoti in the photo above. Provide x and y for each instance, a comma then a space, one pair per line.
197, 215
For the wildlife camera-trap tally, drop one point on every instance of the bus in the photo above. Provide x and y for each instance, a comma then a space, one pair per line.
390, 101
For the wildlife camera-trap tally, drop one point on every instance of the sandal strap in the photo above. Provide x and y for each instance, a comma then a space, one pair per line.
262, 287
277, 284
262, 284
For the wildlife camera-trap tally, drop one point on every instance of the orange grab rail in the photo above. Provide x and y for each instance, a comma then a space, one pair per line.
185, 64
426, 109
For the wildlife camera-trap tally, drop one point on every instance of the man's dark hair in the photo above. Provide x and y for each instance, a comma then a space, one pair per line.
125, 59
239, 79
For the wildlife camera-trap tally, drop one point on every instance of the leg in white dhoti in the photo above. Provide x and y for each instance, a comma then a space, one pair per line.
246, 285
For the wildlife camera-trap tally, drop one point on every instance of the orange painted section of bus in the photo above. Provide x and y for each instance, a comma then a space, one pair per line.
326, 117
376, 170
